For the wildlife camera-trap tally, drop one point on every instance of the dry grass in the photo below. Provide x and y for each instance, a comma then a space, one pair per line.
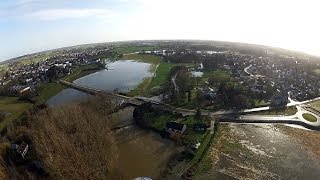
3, 167
75, 142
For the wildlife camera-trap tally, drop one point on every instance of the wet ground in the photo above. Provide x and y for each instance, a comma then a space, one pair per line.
239, 151
259, 152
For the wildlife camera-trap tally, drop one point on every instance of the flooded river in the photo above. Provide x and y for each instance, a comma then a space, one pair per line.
123, 76
142, 152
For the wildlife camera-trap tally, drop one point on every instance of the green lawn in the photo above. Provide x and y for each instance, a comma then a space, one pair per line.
309, 117
132, 49
46, 91
217, 75
143, 57
81, 71
189, 121
261, 103
283, 111
160, 77
203, 147
13, 106
161, 74
159, 122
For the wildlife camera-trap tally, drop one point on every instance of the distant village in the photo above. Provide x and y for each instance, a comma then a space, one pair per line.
269, 76
20, 78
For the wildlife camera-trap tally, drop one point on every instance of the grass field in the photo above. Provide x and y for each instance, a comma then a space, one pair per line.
261, 103
143, 57
13, 106
160, 68
46, 91
283, 111
309, 117
218, 76
81, 71
203, 147
132, 49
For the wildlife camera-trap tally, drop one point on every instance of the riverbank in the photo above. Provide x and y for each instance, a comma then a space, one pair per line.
159, 68
15, 107
141, 152
46, 91
81, 71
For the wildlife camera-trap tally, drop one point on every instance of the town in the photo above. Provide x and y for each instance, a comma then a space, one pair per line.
266, 76
190, 90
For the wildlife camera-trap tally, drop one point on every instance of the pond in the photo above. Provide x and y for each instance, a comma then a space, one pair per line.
122, 75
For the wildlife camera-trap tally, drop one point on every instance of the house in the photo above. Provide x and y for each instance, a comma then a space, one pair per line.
174, 127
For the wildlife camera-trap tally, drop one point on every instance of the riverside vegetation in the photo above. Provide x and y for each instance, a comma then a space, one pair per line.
72, 142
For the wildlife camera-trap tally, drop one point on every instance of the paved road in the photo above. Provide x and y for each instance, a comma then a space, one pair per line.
294, 119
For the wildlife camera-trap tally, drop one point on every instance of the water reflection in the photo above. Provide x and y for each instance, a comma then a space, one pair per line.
123, 76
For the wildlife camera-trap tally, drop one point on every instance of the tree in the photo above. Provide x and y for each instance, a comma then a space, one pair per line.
189, 95
198, 116
140, 115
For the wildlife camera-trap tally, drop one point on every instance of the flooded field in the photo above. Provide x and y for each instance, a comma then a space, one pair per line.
260, 152
142, 152
122, 75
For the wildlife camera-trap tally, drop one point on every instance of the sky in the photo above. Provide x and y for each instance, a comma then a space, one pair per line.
28, 26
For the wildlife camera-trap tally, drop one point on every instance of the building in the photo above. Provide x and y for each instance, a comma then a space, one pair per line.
174, 127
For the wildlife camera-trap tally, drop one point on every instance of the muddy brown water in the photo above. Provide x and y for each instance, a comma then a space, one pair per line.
142, 152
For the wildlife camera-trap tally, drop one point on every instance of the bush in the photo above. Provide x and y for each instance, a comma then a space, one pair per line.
75, 142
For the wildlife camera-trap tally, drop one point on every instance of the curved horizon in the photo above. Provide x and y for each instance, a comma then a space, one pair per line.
29, 26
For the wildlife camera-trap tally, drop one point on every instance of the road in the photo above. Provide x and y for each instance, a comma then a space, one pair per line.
252, 75
224, 115
176, 87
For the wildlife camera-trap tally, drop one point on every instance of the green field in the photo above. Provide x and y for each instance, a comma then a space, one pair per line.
217, 76
81, 71
283, 111
46, 91
309, 117
261, 103
203, 147
143, 58
13, 106
132, 49
159, 67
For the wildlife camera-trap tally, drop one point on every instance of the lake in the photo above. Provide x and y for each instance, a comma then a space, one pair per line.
122, 75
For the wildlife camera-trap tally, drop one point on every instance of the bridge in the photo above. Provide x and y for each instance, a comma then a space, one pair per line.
134, 101
94, 91
227, 116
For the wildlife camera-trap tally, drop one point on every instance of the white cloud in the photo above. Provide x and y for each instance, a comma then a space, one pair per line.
58, 14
